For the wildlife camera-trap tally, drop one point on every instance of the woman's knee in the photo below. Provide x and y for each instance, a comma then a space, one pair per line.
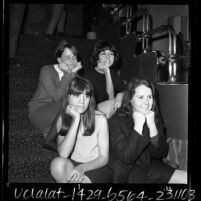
60, 168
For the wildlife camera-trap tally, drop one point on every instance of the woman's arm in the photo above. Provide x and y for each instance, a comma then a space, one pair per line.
126, 143
109, 84
159, 147
54, 90
65, 144
103, 145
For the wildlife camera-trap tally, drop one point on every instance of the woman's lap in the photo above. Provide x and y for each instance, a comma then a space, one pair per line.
159, 172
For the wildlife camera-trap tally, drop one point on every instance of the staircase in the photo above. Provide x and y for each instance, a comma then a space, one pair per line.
27, 161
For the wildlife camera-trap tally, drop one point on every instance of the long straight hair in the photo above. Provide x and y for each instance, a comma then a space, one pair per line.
76, 87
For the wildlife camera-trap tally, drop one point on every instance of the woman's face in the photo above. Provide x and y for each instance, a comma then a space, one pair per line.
68, 58
106, 57
79, 102
142, 100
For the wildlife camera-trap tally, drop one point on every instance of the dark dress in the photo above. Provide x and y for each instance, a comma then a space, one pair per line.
99, 84
137, 158
47, 100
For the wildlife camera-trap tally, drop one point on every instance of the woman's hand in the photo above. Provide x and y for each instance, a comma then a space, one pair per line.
77, 67
117, 104
104, 66
77, 174
118, 100
70, 68
64, 68
71, 110
150, 119
139, 120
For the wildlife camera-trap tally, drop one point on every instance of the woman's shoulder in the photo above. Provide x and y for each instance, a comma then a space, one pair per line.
47, 69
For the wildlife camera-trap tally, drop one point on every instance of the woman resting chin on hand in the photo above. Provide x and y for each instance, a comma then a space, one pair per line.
137, 138
83, 139
108, 85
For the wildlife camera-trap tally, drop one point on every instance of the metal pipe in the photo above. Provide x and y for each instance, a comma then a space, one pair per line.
148, 22
174, 40
138, 13
172, 68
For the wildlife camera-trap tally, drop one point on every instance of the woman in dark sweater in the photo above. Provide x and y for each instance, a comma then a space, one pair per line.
107, 84
137, 139
52, 87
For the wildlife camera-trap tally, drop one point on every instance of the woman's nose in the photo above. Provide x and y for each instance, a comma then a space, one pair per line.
146, 100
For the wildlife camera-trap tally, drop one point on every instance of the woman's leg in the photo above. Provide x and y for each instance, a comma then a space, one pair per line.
178, 177
61, 169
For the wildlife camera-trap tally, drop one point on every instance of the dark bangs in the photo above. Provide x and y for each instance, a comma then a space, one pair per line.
101, 46
79, 86
104, 48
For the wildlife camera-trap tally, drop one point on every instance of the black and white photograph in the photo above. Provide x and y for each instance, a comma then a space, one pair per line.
99, 94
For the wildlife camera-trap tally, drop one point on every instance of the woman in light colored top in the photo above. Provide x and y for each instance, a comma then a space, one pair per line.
52, 87
83, 140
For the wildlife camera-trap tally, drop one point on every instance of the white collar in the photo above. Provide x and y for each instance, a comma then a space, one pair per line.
59, 71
